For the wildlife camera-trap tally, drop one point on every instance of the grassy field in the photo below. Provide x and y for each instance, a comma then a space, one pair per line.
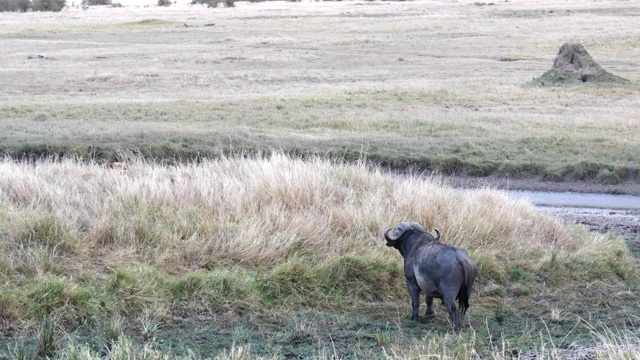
249, 222
280, 257
435, 85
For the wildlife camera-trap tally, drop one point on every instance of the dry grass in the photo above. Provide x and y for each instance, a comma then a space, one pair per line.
253, 212
403, 82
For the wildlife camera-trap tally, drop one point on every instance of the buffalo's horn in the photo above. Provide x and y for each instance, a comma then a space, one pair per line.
437, 234
400, 229
386, 235
417, 226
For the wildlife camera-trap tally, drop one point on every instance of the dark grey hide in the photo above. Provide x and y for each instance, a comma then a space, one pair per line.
438, 270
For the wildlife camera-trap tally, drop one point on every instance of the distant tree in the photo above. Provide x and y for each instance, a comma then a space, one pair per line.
48, 5
96, 2
10, 5
35, 5
214, 3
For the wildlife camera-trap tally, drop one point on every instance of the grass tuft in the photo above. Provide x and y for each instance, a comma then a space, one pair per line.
47, 341
113, 330
134, 290
293, 281
19, 351
358, 278
69, 303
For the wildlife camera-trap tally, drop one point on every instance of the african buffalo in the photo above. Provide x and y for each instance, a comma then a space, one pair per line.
438, 270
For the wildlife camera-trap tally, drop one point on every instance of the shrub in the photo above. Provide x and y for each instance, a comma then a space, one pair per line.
15, 5
164, 2
48, 5
214, 3
35, 5
96, 2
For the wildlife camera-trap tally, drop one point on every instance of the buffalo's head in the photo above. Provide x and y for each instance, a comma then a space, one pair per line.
396, 238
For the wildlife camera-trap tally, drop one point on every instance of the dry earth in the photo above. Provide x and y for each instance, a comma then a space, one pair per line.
623, 222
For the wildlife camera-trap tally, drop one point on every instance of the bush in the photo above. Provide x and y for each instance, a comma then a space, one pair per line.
213, 3
35, 5
209, 3
15, 5
96, 2
164, 2
48, 5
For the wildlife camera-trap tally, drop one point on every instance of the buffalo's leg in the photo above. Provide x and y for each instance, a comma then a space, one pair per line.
429, 302
450, 304
414, 292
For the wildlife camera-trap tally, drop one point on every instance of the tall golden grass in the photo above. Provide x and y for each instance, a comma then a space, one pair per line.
74, 219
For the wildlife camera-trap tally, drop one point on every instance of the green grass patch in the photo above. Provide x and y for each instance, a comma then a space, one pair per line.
179, 131
69, 303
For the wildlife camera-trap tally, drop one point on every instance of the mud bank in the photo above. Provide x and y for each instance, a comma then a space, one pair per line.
625, 223
534, 184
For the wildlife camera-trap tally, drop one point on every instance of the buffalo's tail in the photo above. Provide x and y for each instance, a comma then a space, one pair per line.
470, 271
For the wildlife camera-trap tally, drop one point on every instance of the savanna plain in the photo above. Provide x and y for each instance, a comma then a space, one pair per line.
269, 144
